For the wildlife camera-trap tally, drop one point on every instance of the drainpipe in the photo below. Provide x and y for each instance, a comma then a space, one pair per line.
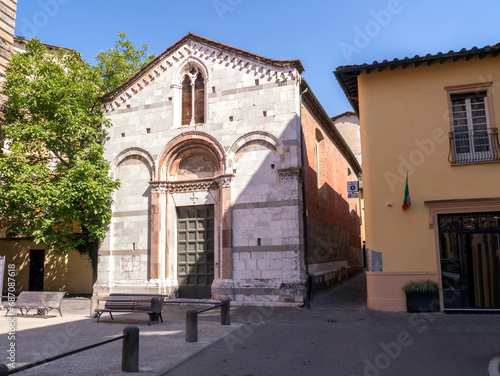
304, 213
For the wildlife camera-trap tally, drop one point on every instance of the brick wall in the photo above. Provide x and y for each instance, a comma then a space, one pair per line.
333, 220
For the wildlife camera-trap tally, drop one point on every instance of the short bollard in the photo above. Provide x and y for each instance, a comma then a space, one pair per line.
225, 312
94, 304
130, 350
192, 325
4, 370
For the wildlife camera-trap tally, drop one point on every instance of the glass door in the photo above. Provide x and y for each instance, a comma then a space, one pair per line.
470, 260
482, 259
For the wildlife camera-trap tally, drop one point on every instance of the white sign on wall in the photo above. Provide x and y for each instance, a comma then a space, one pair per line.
352, 195
352, 186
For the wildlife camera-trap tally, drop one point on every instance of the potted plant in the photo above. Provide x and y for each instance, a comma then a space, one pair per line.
422, 296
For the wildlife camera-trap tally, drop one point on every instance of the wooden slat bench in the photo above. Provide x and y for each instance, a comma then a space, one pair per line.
39, 300
152, 304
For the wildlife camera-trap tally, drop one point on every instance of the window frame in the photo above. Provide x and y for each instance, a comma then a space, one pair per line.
490, 120
177, 110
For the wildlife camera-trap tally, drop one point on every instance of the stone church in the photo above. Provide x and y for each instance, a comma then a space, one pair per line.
233, 181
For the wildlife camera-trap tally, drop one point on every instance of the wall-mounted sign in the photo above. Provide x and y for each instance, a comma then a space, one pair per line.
352, 186
352, 195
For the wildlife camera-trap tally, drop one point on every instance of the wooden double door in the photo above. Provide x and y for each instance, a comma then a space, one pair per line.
195, 251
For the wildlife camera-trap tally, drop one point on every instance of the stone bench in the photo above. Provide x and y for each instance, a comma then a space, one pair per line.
39, 300
151, 304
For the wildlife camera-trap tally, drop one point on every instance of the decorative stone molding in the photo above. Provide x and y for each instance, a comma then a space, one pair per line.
225, 181
164, 187
182, 186
460, 206
193, 46
290, 174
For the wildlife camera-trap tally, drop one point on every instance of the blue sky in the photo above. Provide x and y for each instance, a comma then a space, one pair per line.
323, 34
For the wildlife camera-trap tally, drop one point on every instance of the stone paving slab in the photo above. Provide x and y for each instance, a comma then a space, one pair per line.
161, 345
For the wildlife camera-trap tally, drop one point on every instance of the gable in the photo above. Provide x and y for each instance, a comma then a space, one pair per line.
202, 52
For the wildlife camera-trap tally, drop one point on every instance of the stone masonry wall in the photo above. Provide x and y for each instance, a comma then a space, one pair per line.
252, 112
333, 225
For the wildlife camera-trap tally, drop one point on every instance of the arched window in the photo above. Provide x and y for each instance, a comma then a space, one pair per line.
319, 154
187, 101
193, 97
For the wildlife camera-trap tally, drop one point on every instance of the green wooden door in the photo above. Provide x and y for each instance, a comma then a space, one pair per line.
195, 251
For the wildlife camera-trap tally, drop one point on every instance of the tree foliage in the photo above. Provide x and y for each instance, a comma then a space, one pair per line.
118, 64
54, 181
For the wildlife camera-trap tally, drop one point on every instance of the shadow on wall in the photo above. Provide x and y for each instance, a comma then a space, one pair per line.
268, 211
333, 220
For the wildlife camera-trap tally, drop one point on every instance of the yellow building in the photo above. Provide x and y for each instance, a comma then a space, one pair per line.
432, 117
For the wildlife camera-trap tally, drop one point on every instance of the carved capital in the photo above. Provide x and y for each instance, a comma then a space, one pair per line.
225, 180
290, 174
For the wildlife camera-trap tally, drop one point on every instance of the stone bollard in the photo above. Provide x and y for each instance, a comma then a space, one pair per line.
130, 349
94, 304
225, 312
192, 325
4, 370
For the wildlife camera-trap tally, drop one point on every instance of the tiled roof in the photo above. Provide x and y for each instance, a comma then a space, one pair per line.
49, 46
345, 113
347, 75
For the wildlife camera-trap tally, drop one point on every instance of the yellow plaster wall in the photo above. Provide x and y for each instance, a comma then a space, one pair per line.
399, 110
71, 272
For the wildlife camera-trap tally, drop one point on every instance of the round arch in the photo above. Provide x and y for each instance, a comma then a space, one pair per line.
257, 136
188, 144
138, 153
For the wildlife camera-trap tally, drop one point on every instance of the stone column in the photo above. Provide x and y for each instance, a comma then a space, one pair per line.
226, 226
157, 196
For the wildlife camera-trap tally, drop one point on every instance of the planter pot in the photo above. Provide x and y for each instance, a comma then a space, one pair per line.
422, 301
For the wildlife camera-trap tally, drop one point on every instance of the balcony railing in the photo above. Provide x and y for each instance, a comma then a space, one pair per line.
474, 146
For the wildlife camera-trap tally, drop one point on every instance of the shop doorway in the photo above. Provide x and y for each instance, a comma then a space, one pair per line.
470, 260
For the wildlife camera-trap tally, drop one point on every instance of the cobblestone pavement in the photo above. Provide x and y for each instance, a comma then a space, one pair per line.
339, 336
161, 345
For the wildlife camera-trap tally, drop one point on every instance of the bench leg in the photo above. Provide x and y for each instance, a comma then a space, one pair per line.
153, 316
111, 316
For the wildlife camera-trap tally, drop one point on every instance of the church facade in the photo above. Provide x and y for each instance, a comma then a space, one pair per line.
233, 181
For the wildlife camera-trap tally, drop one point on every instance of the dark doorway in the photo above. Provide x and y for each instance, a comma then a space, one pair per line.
195, 251
470, 260
37, 259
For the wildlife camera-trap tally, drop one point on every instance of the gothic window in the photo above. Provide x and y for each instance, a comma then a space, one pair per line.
319, 154
187, 101
193, 97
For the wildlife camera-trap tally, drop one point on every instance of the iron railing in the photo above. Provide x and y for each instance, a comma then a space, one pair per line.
130, 353
474, 146
192, 319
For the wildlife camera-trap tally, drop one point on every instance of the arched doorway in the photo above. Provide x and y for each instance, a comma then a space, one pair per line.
190, 206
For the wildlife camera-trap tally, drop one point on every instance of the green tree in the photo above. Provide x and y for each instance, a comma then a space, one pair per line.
54, 183
118, 64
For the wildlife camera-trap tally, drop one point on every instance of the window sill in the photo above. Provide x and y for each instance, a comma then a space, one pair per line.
473, 163
189, 126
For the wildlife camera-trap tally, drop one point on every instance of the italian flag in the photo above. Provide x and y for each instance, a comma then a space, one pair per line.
407, 199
